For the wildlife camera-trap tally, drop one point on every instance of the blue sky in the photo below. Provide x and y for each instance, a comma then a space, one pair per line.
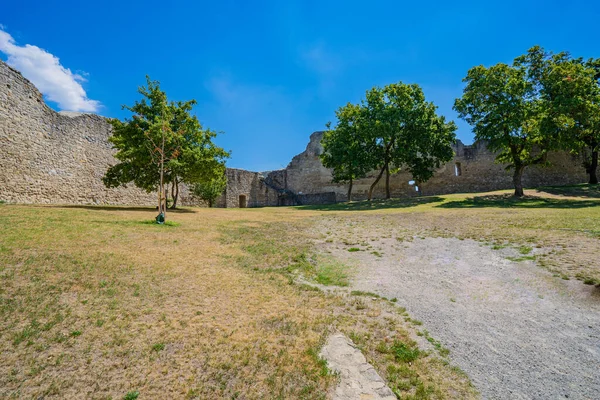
269, 73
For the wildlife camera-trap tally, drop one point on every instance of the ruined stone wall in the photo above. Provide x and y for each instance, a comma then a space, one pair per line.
317, 198
49, 157
478, 173
248, 184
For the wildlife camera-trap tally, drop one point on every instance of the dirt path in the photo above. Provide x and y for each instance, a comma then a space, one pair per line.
518, 332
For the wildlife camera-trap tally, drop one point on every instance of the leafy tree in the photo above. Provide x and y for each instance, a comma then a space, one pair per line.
162, 143
392, 128
569, 98
504, 108
403, 130
344, 147
542, 102
577, 99
211, 190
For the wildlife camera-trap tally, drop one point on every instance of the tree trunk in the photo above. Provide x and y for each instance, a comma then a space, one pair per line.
350, 191
518, 174
159, 199
594, 167
387, 181
163, 193
376, 182
174, 193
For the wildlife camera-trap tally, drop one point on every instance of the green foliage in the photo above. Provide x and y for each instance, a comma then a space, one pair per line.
158, 347
529, 108
580, 101
331, 273
209, 191
345, 147
406, 131
404, 353
133, 395
394, 127
159, 125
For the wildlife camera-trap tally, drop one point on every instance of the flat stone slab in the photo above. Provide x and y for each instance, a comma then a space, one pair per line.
358, 378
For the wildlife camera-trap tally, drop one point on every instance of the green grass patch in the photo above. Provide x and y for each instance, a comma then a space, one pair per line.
443, 351
353, 249
332, 273
133, 395
166, 223
525, 250
158, 347
362, 293
522, 258
404, 353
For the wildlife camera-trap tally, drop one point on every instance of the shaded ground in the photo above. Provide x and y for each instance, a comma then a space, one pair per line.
515, 329
583, 191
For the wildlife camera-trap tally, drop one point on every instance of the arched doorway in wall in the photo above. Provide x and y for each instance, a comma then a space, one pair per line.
243, 201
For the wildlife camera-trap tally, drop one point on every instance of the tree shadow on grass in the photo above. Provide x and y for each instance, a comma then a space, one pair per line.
509, 201
374, 204
584, 190
150, 222
124, 208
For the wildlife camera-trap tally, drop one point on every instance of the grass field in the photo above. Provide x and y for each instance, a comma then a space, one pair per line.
98, 302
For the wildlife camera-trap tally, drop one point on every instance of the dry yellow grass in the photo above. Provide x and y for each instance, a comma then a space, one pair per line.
564, 229
98, 303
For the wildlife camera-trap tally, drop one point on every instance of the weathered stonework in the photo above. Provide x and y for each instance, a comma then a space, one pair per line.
49, 157
247, 189
60, 158
478, 173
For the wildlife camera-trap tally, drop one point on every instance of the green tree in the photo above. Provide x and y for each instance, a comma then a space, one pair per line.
540, 103
577, 99
569, 97
344, 147
162, 143
404, 131
211, 190
503, 104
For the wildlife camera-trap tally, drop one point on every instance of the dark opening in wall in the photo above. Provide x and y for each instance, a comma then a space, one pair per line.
243, 201
457, 169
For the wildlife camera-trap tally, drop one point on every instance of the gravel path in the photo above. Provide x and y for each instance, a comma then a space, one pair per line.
518, 332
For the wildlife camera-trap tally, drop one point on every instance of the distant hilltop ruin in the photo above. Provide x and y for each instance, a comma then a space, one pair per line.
60, 158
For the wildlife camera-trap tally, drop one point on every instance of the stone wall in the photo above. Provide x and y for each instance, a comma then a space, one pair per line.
478, 173
317, 198
247, 189
50, 157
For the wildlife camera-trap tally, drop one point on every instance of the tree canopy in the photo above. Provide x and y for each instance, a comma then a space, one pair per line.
524, 110
394, 127
163, 143
576, 99
209, 191
345, 148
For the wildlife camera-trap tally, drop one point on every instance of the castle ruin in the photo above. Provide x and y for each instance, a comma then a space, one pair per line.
60, 158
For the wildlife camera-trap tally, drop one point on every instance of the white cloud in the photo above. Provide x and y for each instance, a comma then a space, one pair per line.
56, 82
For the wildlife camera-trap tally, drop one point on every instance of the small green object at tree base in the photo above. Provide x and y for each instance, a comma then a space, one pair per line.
160, 218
